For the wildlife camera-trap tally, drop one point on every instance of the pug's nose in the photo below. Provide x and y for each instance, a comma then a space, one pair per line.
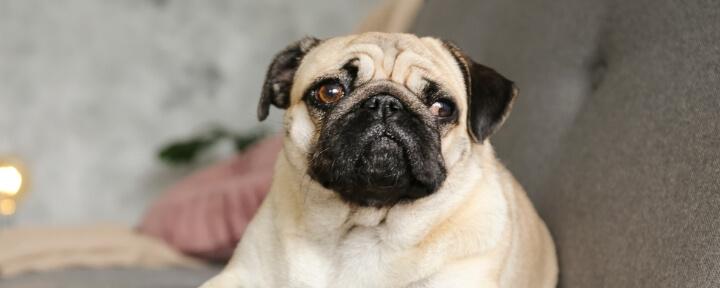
383, 105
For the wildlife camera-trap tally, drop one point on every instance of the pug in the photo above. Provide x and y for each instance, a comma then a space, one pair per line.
386, 177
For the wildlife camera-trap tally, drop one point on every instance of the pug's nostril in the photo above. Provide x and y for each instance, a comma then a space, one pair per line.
385, 105
371, 103
395, 105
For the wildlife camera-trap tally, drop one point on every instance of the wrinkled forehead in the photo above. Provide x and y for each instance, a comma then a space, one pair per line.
401, 58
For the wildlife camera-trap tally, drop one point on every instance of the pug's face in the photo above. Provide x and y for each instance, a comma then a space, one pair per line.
380, 118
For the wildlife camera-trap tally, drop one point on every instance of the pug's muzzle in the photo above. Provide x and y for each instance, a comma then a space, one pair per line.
379, 147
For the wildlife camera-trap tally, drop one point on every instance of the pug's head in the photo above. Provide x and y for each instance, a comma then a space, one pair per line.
381, 118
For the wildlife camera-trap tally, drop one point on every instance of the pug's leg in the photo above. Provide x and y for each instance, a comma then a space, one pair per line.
475, 272
455, 283
223, 280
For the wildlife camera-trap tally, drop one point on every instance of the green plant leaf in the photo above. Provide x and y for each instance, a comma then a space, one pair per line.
184, 152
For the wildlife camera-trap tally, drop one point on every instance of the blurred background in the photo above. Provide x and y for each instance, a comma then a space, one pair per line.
615, 134
91, 90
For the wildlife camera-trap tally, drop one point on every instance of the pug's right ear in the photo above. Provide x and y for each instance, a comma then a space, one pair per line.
280, 75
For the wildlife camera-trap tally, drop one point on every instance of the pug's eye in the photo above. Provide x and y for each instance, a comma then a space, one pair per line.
329, 93
442, 109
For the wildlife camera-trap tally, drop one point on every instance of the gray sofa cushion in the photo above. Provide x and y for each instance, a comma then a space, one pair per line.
616, 132
113, 278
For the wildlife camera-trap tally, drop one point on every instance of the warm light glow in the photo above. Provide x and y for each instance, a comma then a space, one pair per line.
10, 181
7, 207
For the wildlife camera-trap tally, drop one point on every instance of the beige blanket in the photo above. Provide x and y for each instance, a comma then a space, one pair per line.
41, 249
392, 16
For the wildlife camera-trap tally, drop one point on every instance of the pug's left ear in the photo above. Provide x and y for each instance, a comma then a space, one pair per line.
489, 95
280, 75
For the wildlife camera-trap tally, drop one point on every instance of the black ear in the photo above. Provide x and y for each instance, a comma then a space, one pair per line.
490, 95
280, 75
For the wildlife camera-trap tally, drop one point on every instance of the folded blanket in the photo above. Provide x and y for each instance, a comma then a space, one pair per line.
40, 249
392, 16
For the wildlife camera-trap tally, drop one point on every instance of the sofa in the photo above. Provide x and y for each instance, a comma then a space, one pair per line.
616, 131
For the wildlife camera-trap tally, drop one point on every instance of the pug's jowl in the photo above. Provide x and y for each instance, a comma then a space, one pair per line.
387, 177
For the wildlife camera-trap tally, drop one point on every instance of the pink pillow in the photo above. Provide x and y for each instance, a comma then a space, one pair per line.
206, 214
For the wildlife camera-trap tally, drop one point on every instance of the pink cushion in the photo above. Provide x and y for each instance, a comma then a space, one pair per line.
206, 214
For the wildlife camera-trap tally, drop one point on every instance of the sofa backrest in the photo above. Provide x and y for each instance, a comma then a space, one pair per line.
616, 132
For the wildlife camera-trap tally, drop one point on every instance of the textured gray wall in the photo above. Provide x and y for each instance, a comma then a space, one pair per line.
90, 89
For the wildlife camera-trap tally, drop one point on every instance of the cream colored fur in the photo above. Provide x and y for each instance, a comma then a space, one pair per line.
478, 230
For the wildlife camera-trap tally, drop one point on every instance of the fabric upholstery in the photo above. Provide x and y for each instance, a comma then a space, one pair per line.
114, 278
616, 132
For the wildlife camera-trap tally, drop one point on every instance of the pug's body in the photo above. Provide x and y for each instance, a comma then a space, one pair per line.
386, 177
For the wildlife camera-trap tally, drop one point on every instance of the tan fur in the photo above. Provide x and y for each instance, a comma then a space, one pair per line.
478, 230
